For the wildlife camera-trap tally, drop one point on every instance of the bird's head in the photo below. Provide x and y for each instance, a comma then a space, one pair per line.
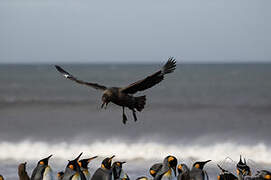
155, 168
84, 162
44, 162
105, 100
242, 168
172, 163
106, 164
117, 168
200, 164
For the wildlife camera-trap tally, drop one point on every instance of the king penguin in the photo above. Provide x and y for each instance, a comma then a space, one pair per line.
155, 168
105, 171
42, 171
261, 175
183, 172
197, 172
118, 172
73, 171
168, 169
22, 173
83, 163
242, 169
60, 175
1, 177
225, 175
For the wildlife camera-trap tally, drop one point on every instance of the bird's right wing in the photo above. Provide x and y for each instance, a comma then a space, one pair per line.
71, 77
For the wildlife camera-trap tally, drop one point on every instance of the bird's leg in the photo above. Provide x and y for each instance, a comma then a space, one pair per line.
124, 118
134, 114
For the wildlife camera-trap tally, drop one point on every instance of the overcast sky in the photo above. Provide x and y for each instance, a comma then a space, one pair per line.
134, 30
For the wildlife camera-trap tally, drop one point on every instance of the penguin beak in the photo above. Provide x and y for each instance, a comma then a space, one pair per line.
78, 156
90, 159
49, 157
112, 157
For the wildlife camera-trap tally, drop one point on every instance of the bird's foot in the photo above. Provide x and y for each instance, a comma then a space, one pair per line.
134, 115
124, 118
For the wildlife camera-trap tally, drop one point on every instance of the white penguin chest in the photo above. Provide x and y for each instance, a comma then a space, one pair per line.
169, 175
48, 173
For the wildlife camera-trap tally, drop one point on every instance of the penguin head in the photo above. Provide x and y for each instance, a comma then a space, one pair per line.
200, 164
60, 175
106, 164
172, 163
182, 168
266, 175
83, 163
73, 164
242, 168
1, 177
44, 162
155, 168
117, 167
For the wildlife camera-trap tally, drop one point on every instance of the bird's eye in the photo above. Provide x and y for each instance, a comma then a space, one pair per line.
71, 166
41, 163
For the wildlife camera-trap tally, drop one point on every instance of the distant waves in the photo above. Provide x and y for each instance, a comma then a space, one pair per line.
28, 150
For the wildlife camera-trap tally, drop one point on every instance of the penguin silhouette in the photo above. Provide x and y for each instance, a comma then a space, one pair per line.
22, 172
105, 171
183, 172
118, 172
197, 172
73, 170
42, 171
168, 169
155, 168
83, 163
60, 175
242, 169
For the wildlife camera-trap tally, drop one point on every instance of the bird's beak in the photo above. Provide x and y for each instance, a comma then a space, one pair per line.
92, 158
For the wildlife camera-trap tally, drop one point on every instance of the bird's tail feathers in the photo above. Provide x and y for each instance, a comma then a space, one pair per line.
170, 66
140, 102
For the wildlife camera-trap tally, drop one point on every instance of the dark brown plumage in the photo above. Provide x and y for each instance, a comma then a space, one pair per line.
22, 172
122, 96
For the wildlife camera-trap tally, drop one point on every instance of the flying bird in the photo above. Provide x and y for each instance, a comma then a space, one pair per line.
123, 96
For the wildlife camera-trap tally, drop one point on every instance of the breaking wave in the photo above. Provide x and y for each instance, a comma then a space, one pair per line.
27, 150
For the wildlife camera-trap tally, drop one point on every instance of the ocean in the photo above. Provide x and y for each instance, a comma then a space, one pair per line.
199, 112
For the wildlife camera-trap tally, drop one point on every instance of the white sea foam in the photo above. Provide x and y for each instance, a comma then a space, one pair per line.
27, 150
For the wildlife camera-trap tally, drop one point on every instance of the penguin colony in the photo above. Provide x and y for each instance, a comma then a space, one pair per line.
169, 169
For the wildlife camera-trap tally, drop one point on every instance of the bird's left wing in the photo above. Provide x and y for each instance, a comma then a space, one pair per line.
71, 77
151, 80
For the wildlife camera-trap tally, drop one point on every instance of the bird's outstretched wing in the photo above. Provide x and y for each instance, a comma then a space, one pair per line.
151, 80
71, 77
